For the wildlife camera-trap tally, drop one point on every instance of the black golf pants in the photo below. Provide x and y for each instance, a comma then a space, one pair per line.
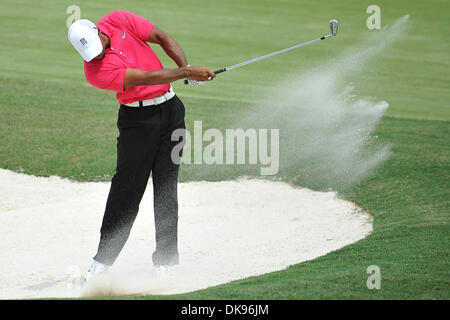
144, 145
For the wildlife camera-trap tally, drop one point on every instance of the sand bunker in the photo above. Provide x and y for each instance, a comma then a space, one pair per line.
49, 229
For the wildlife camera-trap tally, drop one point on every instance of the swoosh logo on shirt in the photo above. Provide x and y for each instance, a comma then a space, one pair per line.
123, 37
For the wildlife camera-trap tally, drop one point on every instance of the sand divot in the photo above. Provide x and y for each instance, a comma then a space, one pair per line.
231, 230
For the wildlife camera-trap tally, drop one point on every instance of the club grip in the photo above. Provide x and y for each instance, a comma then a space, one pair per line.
220, 71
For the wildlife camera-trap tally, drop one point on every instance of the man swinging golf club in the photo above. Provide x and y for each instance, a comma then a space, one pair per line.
118, 58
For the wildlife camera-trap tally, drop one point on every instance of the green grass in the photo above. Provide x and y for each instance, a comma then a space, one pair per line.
53, 123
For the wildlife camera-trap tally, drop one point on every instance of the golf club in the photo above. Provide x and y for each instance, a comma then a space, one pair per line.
333, 27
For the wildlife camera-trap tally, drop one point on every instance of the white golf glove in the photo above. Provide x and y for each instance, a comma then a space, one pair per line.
192, 82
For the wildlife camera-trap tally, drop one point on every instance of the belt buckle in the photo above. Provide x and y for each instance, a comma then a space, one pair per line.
159, 100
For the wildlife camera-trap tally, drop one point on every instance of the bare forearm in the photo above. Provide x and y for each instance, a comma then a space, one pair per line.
135, 77
173, 50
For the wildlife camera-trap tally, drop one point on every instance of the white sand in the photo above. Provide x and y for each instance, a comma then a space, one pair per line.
49, 229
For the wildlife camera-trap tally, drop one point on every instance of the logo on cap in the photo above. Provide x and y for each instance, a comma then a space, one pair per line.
84, 37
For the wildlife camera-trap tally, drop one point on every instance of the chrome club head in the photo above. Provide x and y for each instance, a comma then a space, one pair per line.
334, 27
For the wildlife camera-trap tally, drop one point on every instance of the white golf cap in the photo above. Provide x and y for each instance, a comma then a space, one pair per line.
83, 34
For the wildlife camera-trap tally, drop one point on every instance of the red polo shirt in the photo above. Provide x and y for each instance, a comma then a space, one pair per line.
128, 33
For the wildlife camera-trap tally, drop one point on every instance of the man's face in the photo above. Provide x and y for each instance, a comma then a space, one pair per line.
103, 40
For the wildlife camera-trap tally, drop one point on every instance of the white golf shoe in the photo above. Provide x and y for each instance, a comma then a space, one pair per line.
162, 271
94, 269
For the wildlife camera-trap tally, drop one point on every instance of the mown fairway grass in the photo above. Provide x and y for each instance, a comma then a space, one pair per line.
53, 123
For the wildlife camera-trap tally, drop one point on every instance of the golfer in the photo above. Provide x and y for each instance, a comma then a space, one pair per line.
117, 57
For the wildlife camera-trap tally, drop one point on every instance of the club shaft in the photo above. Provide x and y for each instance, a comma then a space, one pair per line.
268, 55
271, 54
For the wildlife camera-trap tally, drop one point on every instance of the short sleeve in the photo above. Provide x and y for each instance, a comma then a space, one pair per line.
140, 26
105, 78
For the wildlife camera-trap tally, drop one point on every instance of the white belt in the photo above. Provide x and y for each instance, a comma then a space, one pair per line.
157, 100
